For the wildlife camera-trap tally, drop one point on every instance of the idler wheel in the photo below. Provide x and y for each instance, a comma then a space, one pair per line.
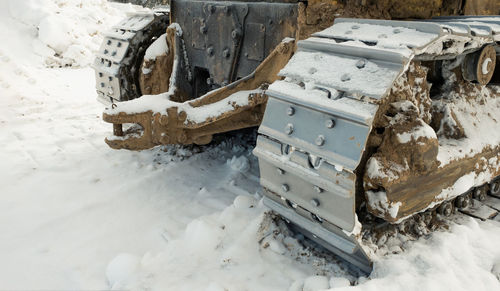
480, 65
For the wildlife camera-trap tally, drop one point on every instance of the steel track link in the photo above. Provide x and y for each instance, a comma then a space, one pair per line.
120, 56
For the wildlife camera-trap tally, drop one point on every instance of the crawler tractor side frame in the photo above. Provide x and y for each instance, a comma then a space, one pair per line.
349, 124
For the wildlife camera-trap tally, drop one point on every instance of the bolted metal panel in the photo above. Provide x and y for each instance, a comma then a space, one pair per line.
113, 49
107, 79
321, 189
229, 39
256, 33
342, 144
198, 39
347, 247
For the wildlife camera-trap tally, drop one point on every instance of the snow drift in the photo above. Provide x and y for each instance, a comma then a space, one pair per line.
76, 215
65, 32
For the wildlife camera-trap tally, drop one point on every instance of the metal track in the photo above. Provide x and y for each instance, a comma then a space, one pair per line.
376, 232
318, 118
120, 56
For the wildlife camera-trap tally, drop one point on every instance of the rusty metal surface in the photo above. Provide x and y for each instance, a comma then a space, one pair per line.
154, 75
482, 7
170, 127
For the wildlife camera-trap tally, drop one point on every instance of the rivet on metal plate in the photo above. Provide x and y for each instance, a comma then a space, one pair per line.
345, 77
285, 188
290, 111
236, 33
210, 51
330, 123
289, 128
361, 64
320, 140
203, 29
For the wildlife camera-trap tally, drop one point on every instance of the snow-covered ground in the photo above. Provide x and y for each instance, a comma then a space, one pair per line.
76, 215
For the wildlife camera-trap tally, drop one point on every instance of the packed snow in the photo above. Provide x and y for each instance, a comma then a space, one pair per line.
76, 215
478, 117
379, 34
371, 78
158, 103
64, 32
378, 201
422, 131
157, 48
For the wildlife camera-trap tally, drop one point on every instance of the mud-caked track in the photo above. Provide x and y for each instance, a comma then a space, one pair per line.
482, 202
368, 128
375, 130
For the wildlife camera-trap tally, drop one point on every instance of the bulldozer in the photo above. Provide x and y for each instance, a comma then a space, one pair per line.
374, 118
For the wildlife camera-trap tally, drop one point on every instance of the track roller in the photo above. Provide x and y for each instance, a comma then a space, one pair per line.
480, 65
463, 201
480, 193
446, 209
